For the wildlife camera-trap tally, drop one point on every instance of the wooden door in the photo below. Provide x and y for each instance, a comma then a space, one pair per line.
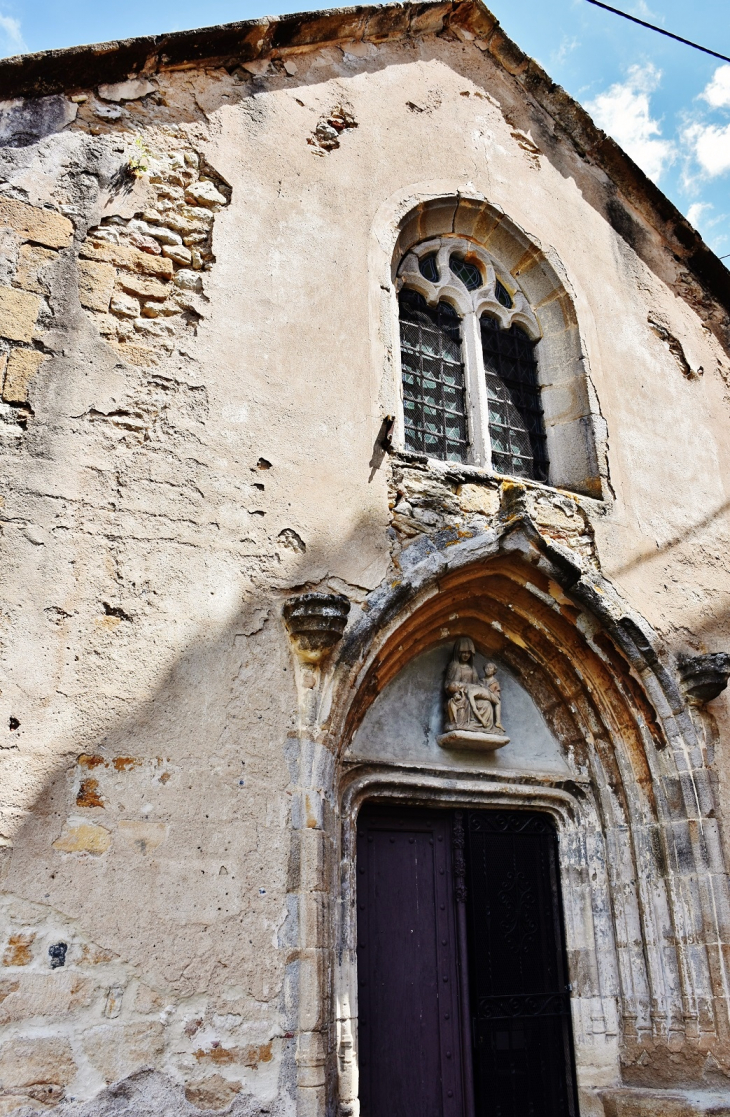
520, 1005
408, 1005
475, 1024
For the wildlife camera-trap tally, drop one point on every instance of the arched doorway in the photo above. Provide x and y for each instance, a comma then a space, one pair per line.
588, 665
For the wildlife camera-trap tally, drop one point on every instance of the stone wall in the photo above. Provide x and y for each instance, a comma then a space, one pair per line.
197, 336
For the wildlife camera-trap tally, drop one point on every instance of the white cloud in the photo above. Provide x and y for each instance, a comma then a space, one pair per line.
717, 93
710, 145
11, 34
695, 212
624, 112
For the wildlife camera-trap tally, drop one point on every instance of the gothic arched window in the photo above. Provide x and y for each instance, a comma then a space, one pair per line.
469, 372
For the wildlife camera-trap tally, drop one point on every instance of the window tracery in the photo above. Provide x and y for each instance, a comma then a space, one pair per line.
469, 372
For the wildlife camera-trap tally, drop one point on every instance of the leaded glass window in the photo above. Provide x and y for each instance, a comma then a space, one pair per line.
467, 272
516, 428
434, 394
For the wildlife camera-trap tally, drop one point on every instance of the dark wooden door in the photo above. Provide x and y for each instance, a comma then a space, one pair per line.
417, 1002
408, 1005
520, 1008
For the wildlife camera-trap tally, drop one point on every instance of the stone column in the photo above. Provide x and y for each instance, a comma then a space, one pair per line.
315, 622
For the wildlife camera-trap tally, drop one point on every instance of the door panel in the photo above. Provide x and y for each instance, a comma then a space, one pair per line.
408, 1028
510, 993
520, 1006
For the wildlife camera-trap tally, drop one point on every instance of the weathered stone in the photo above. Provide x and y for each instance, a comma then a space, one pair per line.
143, 288
704, 677
18, 951
96, 283
26, 1061
31, 261
131, 90
316, 622
178, 253
124, 257
24, 122
123, 306
22, 366
119, 1051
18, 313
205, 194
188, 280
144, 837
83, 837
158, 232
214, 1092
40, 225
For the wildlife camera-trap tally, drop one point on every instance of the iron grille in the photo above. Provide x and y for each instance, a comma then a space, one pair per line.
516, 428
434, 396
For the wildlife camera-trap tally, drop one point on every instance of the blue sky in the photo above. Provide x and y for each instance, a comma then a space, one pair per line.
666, 104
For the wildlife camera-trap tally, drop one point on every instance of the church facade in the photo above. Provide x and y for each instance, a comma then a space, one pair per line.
365, 434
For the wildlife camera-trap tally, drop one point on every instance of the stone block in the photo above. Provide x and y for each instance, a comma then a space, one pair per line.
40, 225
142, 836
18, 313
214, 1092
31, 260
123, 257
83, 837
478, 498
34, 995
22, 366
124, 306
143, 288
18, 951
96, 283
130, 90
27, 1061
117, 1052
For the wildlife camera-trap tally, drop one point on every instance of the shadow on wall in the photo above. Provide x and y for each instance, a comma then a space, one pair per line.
160, 837
166, 842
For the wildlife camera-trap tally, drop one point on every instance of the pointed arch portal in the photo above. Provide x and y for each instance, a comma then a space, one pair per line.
645, 894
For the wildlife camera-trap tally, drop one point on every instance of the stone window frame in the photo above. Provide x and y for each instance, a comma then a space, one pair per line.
470, 306
576, 431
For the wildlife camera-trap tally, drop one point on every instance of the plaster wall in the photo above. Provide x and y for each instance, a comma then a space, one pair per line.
168, 478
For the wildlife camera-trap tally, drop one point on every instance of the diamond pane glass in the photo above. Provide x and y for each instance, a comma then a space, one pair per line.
516, 428
434, 396
469, 274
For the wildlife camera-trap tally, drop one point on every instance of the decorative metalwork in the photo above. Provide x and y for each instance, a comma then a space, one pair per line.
434, 395
511, 822
523, 1004
517, 902
516, 428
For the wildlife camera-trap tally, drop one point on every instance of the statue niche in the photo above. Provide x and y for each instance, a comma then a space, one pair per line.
473, 705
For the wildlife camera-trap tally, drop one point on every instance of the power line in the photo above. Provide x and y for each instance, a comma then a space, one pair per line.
653, 27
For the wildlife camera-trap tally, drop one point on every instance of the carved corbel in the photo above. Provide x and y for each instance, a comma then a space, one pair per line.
704, 676
316, 622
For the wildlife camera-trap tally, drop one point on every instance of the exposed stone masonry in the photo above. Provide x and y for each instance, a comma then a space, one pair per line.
142, 277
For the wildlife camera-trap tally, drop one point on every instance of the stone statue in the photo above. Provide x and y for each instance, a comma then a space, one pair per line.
473, 704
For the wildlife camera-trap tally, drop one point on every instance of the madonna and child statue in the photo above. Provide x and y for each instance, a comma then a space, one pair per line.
472, 704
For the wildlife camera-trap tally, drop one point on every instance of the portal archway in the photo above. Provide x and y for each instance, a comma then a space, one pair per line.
641, 977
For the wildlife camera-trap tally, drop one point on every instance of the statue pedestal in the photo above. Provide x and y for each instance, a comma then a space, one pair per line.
472, 739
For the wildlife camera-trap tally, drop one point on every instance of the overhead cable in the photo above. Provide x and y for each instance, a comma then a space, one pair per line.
653, 27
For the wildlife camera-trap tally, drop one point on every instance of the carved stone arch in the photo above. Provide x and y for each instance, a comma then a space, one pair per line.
576, 436
640, 846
